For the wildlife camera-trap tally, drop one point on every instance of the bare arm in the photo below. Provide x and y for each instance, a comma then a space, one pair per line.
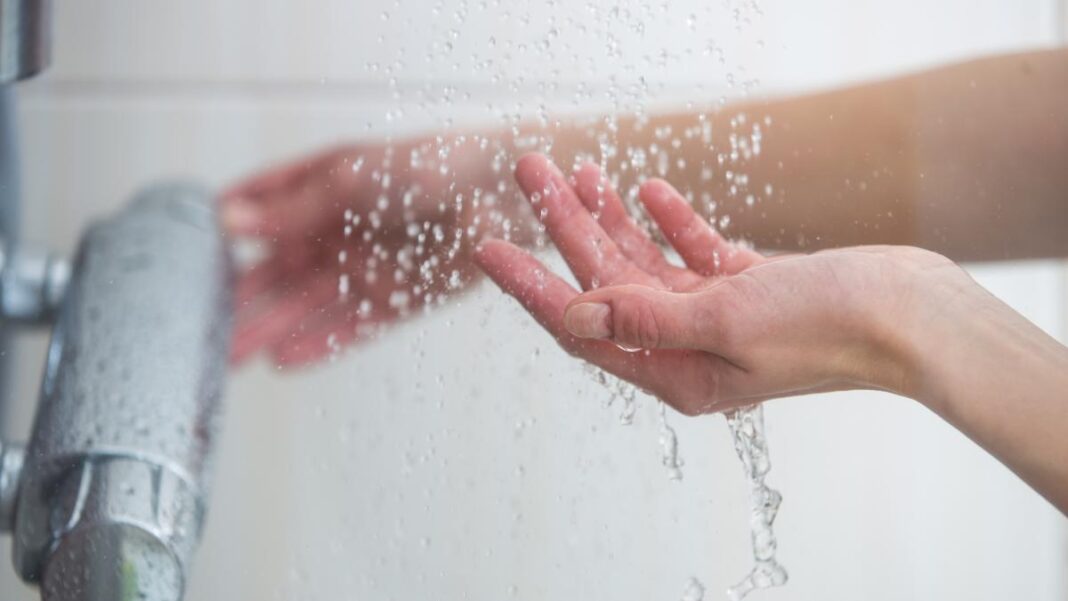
969, 160
997, 378
735, 328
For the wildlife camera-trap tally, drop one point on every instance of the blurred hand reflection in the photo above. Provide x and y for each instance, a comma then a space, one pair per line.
351, 244
359, 236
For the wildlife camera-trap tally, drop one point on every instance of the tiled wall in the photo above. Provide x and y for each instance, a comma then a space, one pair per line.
394, 472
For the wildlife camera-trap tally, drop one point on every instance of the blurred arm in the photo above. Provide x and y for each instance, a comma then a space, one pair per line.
969, 160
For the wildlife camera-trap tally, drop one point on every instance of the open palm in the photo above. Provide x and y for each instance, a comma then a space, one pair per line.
733, 327
603, 246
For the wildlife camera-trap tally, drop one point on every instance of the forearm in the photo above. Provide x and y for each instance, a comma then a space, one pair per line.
1001, 381
966, 160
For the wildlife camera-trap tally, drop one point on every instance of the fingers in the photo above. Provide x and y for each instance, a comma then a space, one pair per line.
602, 201
544, 295
525, 278
354, 319
291, 214
311, 347
284, 317
271, 180
243, 204
336, 329
257, 281
647, 318
590, 253
691, 381
701, 247
292, 201
272, 274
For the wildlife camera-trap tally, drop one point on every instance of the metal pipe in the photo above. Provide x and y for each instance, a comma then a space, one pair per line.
115, 482
32, 283
10, 196
25, 38
25, 50
108, 500
11, 461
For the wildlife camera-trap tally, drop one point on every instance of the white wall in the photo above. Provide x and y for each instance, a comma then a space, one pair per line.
394, 472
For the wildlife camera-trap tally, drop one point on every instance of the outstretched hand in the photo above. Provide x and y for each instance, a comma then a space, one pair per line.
733, 327
356, 237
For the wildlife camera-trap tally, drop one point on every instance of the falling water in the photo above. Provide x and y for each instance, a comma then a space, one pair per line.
694, 591
669, 446
747, 431
619, 389
416, 268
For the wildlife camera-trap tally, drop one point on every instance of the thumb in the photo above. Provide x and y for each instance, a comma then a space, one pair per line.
643, 317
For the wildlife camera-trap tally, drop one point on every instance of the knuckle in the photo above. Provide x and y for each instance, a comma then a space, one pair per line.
716, 317
709, 320
637, 324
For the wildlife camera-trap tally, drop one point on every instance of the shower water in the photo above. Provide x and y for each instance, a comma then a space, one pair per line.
747, 434
669, 446
747, 431
619, 389
427, 236
695, 591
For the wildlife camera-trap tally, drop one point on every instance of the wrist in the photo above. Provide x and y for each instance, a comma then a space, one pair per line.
960, 342
919, 321
931, 339
1001, 381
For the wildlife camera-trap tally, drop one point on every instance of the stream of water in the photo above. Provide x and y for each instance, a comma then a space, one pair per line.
747, 431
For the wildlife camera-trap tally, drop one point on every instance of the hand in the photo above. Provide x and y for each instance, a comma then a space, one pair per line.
357, 237
733, 328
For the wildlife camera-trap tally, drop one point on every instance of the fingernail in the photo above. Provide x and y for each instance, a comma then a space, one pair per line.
239, 216
589, 320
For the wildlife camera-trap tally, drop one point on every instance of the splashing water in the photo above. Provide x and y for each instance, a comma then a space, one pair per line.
747, 431
619, 389
417, 271
694, 591
669, 446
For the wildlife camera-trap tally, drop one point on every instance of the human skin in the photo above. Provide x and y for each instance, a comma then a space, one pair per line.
966, 160
734, 328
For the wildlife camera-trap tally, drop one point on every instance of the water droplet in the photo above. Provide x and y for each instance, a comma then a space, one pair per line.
747, 431
669, 447
694, 591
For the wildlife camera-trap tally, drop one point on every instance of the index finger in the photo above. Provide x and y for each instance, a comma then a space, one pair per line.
702, 248
591, 253
267, 181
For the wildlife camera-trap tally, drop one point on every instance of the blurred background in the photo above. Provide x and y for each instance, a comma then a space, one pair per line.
465, 456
